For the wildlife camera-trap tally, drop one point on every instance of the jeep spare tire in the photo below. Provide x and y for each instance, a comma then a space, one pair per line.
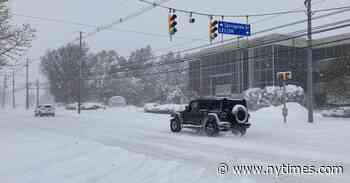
240, 113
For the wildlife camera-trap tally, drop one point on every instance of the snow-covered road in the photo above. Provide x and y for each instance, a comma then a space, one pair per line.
128, 145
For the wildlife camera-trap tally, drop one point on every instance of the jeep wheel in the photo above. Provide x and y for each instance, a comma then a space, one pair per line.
211, 128
175, 125
243, 131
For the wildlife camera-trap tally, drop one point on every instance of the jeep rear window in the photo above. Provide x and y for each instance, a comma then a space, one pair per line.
209, 105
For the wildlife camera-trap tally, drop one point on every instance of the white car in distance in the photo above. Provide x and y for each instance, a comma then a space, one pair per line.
44, 110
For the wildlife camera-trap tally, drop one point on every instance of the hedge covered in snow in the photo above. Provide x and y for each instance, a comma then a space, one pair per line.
163, 109
258, 98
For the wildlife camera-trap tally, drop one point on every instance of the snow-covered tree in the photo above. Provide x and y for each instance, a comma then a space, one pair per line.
14, 39
61, 67
104, 63
272, 96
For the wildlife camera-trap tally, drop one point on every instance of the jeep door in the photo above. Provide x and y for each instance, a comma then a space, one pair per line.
204, 109
191, 116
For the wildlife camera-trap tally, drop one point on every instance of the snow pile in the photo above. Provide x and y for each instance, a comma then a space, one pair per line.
296, 112
92, 106
341, 112
150, 106
85, 106
164, 108
71, 106
117, 101
258, 98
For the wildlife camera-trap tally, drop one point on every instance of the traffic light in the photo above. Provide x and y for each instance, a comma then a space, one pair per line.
284, 76
172, 24
213, 29
192, 20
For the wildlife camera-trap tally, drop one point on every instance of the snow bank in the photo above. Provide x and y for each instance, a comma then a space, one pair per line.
341, 112
258, 98
294, 109
85, 106
92, 106
163, 109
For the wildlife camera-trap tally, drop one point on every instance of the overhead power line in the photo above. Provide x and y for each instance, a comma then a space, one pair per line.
259, 44
219, 15
237, 15
225, 42
204, 46
68, 22
161, 35
123, 19
264, 19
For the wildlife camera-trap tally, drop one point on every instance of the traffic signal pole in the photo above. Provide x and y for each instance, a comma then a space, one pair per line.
310, 99
80, 70
3, 102
13, 90
37, 93
285, 109
27, 84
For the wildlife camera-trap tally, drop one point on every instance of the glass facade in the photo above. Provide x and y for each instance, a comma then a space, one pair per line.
226, 72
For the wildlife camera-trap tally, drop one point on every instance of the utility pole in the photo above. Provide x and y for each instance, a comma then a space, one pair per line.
310, 99
37, 93
27, 84
13, 91
80, 69
4, 92
251, 61
273, 66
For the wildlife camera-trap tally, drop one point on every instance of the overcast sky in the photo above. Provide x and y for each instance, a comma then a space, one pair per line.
52, 35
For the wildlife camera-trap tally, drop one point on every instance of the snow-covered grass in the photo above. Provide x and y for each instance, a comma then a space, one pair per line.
128, 145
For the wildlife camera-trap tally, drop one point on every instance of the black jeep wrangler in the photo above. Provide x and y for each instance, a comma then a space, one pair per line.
212, 116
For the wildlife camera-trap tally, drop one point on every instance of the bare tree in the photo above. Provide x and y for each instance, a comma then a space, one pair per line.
14, 39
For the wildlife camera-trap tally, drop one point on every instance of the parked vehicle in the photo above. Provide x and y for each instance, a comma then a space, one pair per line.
117, 101
92, 106
85, 106
212, 116
44, 110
